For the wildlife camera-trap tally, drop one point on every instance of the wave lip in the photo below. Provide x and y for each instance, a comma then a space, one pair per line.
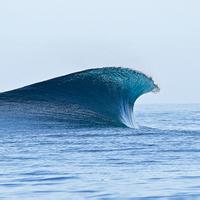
90, 97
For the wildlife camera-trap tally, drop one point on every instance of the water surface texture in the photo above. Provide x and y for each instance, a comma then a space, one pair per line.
44, 157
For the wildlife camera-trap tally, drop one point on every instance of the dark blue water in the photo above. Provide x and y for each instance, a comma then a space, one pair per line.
46, 160
101, 97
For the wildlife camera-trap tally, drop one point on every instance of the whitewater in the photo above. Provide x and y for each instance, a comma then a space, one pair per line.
83, 136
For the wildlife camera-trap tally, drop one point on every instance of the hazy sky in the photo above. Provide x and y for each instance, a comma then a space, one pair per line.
41, 39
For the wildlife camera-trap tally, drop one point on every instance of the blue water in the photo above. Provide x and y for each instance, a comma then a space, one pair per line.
68, 138
96, 97
160, 159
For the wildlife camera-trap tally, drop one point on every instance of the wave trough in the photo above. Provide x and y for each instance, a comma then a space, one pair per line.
94, 97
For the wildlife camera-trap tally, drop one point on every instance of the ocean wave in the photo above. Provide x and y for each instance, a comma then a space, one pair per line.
94, 97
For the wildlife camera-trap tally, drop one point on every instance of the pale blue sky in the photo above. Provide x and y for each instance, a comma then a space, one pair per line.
41, 39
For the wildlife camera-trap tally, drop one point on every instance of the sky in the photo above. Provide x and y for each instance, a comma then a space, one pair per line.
43, 39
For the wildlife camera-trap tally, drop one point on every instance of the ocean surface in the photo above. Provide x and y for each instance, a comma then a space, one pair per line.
160, 159
81, 136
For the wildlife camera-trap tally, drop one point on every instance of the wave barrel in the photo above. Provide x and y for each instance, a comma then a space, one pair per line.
94, 97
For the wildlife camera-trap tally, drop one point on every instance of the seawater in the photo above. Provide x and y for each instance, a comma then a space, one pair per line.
158, 160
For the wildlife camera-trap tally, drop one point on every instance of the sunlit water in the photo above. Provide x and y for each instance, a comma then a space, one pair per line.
160, 159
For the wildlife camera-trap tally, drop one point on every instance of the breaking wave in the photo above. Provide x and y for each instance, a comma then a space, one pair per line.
94, 97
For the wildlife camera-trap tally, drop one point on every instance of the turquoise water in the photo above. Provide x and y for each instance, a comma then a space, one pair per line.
46, 160
100, 97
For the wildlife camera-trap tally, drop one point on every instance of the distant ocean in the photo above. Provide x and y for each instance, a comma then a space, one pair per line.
81, 137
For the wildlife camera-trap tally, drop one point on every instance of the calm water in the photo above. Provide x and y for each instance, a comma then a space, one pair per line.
160, 159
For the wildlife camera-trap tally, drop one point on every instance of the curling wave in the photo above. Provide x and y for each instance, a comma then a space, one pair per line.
101, 96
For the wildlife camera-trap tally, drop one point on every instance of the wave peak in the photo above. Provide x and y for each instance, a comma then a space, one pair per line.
92, 96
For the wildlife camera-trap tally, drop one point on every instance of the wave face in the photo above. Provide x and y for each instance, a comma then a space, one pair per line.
101, 96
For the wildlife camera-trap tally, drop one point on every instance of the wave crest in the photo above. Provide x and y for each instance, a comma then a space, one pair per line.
94, 96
